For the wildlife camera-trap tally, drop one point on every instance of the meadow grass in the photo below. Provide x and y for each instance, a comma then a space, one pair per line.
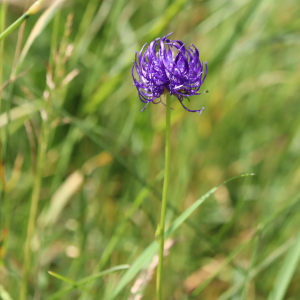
82, 168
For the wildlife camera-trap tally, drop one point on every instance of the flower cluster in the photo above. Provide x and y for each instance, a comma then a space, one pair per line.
174, 68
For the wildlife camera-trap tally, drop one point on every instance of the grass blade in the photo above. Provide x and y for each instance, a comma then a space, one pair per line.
257, 269
61, 198
4, 295
83, 281
22, 112
286, 272
62, 278
87, 131
223, 51
226, 261
151, 250
40, 25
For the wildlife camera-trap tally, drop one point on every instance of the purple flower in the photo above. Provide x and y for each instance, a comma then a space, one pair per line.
174, 68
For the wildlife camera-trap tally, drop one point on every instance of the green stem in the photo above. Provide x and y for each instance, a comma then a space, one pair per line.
2, 170
3, 15
42, 151
164, 199
250, 268
33, 9
13, 26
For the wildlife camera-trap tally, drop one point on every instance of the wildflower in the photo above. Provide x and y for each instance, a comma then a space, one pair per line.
174, 68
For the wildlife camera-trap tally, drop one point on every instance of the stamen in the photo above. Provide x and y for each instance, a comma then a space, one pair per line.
201, 111
145, 107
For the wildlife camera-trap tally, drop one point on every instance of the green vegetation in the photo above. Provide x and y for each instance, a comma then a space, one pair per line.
81, 167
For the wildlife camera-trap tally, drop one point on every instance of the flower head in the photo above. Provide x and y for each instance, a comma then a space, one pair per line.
174, 68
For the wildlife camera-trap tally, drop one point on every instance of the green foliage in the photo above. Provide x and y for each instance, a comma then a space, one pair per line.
83, 166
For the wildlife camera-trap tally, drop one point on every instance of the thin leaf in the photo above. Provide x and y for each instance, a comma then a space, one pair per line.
62, 278
87, 131
259, 229
220, 16
223, 51
67, 280
286, 272
83, 281
90, 133
61, 198
257, 269
40, 25
4, 295
102, 93
151, 250
226, 261
20, 112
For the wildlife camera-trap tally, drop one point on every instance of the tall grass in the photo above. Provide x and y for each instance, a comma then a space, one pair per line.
77, 144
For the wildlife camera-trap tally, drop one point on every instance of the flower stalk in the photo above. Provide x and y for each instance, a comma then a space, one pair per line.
33, 9
161, 227
165, 68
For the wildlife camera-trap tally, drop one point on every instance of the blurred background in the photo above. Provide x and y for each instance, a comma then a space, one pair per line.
73, 135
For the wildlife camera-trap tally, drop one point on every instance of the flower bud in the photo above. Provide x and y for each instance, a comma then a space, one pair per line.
34, 8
